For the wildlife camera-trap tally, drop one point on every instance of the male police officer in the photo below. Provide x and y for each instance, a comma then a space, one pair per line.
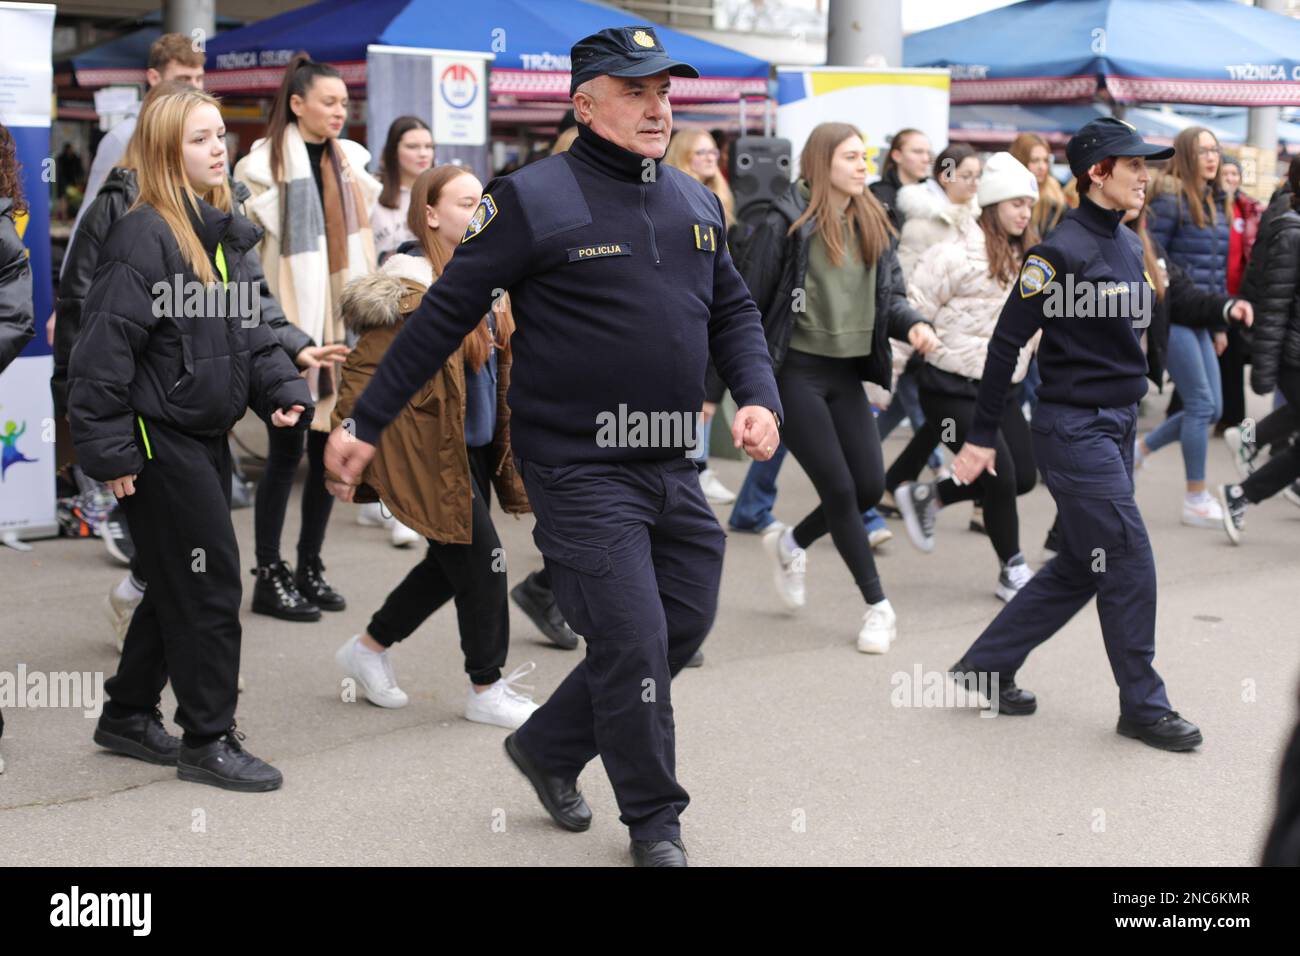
1084, 428
620, 279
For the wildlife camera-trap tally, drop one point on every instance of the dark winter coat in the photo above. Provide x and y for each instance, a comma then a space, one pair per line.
1202, 251
1275, 284
114, 198
17, 322
139, 355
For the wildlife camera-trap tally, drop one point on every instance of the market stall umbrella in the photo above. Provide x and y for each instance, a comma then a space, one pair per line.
1140, 51
529, 38
121, 60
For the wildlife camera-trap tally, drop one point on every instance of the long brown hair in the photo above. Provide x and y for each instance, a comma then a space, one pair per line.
11, 178
680, 149
161, 173
1184, 171
1005, 251
426, 191
898, 142
867, 219
392, 170
1149, 260
299, 76
1051, 204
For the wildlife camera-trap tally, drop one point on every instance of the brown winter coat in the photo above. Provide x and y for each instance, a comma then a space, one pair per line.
421, 471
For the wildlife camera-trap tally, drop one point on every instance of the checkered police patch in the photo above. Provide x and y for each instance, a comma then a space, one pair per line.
484, 214
1036, 273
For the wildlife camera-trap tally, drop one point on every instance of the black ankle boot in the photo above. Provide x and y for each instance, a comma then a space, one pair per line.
311, 582
275, 594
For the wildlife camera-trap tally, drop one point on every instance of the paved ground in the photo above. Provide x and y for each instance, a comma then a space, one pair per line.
787, 738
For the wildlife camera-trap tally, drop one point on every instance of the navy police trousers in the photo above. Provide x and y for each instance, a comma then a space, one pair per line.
635, 555
1086, 456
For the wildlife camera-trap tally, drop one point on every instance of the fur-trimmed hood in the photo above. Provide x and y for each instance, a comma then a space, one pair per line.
382, 299
927, 200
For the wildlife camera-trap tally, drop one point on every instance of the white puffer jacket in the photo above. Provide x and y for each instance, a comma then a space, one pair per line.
951, 288
929, 219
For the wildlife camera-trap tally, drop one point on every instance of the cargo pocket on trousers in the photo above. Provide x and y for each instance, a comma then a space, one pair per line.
592, 599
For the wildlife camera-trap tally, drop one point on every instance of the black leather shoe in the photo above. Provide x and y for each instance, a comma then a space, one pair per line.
226, 764
1170, 732
141, 735
658, 853
276, 595
1012, 700
561, 797
311, 582
539, 604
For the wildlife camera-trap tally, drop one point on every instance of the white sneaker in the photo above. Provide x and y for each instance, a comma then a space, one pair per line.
118, 610
374, 672
787, 569
1243, 452
1202, 512
879, 628
502, 705
371, 516
1015, 575
879, 536
714, 490
402, 536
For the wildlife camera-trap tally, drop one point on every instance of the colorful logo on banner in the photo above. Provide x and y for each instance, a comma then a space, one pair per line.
9, 453
458, 86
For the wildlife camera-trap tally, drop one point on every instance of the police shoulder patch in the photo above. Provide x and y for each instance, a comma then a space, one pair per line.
1035, 274
484, 214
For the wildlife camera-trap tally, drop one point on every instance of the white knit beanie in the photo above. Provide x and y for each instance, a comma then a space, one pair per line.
1005, 177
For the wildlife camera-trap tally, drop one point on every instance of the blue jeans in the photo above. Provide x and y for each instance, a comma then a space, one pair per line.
701, 454
1195, 370
757, 496
1032, 381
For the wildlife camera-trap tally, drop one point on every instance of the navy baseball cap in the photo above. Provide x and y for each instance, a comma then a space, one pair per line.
622, 51
1107, 136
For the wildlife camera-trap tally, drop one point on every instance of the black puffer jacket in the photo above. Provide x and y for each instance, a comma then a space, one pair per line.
137, 356
1275, 336
17, 322
114, 198
774, 265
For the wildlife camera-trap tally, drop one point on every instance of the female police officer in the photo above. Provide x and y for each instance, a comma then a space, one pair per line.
1086, 289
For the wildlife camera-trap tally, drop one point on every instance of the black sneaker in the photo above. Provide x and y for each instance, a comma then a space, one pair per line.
1234, 504
311, 582
226, 764
141, 735
117, 536
1170, 732
539, 604
1243, 448
977, 520
275, 594
919, 505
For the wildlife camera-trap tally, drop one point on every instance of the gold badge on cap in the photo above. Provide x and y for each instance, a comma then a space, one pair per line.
641, 38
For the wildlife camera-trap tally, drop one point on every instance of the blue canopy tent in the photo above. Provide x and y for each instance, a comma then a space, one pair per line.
999, 123
529, 38
122, 60
1153, 51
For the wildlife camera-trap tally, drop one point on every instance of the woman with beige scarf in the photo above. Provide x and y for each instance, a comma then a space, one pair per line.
310, 194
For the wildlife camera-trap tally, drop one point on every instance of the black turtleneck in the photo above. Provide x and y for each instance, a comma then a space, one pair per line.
1085, 359
622, 289
611, 159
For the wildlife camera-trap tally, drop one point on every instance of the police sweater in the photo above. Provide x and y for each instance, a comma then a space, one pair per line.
621, 288
1086, 288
